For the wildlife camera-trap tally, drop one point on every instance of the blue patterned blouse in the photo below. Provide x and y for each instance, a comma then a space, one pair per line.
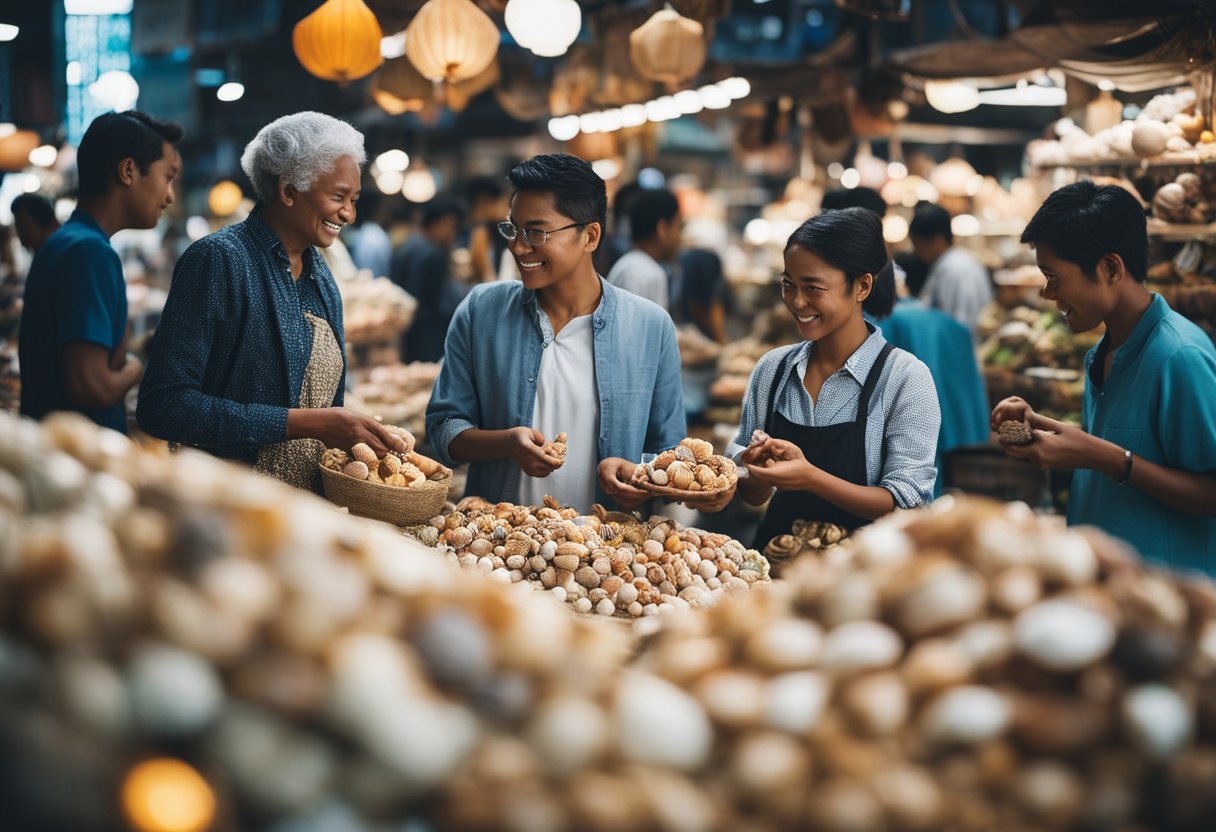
230, 352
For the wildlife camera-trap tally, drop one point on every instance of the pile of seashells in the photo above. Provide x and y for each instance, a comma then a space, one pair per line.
690, 466
608, 563
400, 469
969, 667
806, 537
557, 447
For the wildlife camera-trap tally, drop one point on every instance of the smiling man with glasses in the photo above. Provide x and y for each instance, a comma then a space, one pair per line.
560, 351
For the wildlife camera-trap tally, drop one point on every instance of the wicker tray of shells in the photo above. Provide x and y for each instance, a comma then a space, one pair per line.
400, 487
689, 470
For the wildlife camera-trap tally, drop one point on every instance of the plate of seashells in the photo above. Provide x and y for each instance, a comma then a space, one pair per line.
690, 470
401, 487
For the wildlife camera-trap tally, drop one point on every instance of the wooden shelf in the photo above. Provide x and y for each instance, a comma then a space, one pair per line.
1186, 159
1181, 233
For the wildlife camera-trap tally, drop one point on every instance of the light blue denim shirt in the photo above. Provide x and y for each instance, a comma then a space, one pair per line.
492, 358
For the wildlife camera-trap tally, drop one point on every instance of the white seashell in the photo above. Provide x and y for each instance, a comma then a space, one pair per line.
568, 733
582, 605
853, 597
967, 715
658, 724
733, 698
947, 596
1067, 558
1048, 789
174, 692
1158, 721
454, 648
605, 607
861, 645
769, 762
1016, 588
882, 543
1062, 636
878, 703
423, 740
987, 643
658, 476
796, 701
559, 593
785, 644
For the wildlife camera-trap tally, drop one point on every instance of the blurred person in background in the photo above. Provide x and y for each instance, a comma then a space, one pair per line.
34, 220
942, 343
487, 201
249, 359
1144, 458
616, 238
74, 328
559, 351
422, 267
372, 249
957, 283
654, 227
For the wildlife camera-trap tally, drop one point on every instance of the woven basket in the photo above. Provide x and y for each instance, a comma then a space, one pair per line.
680, 493
390, 503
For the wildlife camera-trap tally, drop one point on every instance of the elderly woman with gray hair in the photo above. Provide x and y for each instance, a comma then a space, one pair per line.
249, 361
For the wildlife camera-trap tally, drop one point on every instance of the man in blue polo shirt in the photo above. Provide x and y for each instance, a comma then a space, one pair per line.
73, 344
1145, 460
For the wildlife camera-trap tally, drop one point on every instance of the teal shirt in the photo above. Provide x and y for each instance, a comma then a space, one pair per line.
1159, 402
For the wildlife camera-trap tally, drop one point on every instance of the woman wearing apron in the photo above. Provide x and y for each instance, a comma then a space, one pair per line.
249, 361
842, 425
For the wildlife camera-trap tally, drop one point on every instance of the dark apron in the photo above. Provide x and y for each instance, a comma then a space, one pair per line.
838, 449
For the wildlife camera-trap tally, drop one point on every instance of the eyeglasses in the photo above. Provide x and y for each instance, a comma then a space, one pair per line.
535, 237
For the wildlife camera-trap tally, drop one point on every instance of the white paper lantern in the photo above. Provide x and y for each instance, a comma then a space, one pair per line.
546, 27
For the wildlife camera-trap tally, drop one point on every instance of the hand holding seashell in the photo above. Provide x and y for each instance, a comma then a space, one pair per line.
1056, 446
714, 504
526, 446
342, 427
616, 475
1012, 409
780, 464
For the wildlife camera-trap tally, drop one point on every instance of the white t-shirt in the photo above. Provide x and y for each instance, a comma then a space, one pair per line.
639, 273
567, 399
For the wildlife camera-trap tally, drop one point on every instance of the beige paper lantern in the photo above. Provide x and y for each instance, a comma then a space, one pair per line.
668, 47
402, 86
451, 40
340, 41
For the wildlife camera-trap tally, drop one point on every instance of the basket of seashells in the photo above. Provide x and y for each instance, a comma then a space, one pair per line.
401, 488
689, 470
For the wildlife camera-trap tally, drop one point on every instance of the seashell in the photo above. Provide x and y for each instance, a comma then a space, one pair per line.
1058, 725
934, 664
684, 454
657, 723
425, 464
842, 805
877, 703
796, 701
1067, 558
786, 644
701, 449
705, 476
945, 597
567, 562
911, 796
458, 538
334, 458
583, 605
679, 475
663, 460
659, 477
390, 465
405, 435
174, 693
568, 733
363, 452
1157, 720
967, 715
454, 647
1062, 635
356, 469
586, 576
577, 550
397, 480
1014, 432
412, 474
605, 607
1016, 588
480, 547
768, 762
860, 645
1050, 792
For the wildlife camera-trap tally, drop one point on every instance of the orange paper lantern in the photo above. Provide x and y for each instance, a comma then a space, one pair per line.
15, 150
451, 40
668, 47
340, 41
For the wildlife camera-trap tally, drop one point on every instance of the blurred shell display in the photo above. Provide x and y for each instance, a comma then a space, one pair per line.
320, 671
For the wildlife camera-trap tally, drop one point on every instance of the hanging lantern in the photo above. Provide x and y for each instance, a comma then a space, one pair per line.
400, 83
340, 41
668, 47
458, 96
547, 27
451, 40
15, 149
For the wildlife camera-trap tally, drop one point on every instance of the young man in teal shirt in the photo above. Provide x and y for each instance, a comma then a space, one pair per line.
1145, 459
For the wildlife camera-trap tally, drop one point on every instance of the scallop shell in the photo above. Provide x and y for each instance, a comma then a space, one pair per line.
365, 454
356, 469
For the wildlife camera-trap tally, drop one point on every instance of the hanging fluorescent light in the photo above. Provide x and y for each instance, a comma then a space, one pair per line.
736, 87
564, 128
633, 115
97, 7
951, 96
1030, 95
713, 97
8, 32
231, 91
689, 102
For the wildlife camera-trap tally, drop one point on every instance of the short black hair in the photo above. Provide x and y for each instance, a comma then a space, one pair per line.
578, 191
623, 198
862, 197
1082, 222
37, 207
849, 239
441, 207
113, 137
482, 186
648, 209
931, 221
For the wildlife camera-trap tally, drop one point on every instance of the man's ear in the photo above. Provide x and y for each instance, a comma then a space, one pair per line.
595, 232
126, 171
1112, 264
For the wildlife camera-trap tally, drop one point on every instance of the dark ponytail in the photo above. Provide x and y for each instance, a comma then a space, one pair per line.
850, 240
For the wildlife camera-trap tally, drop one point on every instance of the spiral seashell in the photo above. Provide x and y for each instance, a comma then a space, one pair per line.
356, 469
782, 547
335, 459
664, 459
679, 474
685, 454
457, 538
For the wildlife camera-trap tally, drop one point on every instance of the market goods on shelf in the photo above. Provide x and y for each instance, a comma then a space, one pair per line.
397, 393
970, 667
691, 469
611, 564
806, 537
375, 309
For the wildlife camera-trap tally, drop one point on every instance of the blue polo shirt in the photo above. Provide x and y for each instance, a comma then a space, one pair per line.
75, 291
1159, 402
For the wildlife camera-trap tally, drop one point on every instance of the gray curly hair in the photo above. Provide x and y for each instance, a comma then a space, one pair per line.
298, 149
